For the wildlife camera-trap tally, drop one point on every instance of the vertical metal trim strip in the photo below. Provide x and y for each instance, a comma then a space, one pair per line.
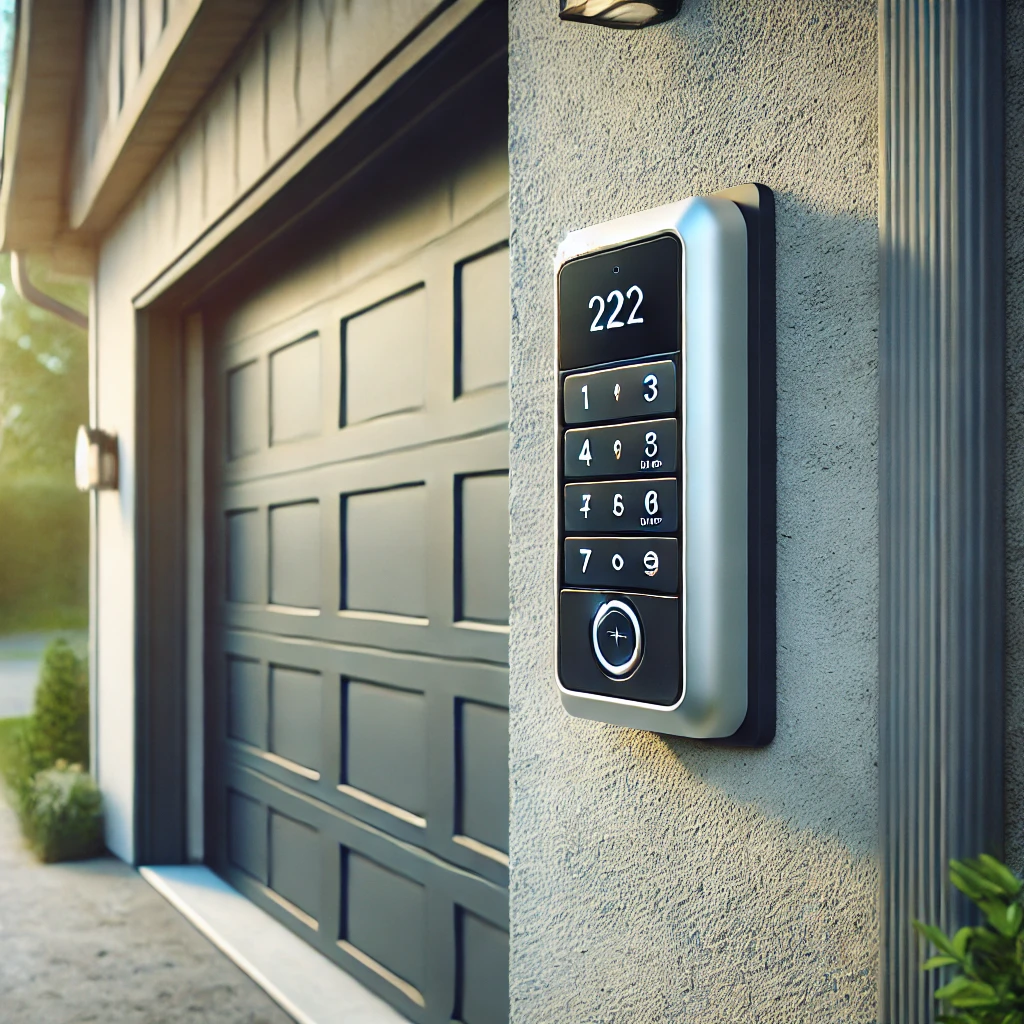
941, 422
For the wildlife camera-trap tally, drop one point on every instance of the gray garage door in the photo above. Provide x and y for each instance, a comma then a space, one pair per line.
358, 591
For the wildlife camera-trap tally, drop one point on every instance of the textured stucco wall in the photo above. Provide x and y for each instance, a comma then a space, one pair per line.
1015, 433
655, 879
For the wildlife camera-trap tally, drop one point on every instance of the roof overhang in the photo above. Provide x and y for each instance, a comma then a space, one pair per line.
45, 72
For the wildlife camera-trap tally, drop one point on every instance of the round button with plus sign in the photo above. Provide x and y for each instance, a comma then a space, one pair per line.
616, 638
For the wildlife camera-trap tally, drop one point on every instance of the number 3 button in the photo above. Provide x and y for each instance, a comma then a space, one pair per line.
623, 563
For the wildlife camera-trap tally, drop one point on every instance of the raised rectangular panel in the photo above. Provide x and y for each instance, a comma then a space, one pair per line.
245, 418
385, 551
247, 701
246, 571
483, 548
295, 555
295, 712
385, 917
247, 835
385, 744
484, 315
295, 391
483, 971
295, 863
384, 357
483, 774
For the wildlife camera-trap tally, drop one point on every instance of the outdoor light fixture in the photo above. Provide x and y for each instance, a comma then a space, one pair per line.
95, 460
619, 13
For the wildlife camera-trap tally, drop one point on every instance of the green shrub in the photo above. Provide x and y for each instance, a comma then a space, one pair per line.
62, 814
59, 807
987, 986
59, 727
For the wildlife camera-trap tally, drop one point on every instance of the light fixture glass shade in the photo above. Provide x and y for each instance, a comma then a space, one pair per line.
96, 467
619, 13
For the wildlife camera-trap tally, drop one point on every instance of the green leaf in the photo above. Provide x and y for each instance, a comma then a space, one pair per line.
960, 941
1001, 874
938, 961
963, 993
935, 937
971, 882
1015, 917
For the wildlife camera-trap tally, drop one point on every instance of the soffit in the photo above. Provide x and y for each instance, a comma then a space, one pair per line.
41, 100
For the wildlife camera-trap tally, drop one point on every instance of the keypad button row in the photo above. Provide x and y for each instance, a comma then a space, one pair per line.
625, 449
623, 563
621, 393
623, 506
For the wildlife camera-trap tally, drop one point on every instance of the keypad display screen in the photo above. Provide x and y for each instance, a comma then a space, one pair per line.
620, 459
621, 304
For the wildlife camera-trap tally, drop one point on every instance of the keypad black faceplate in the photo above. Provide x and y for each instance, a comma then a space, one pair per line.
620, 497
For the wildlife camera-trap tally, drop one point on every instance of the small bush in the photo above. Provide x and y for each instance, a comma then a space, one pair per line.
58, 804
60, 720
987, 986
62, 814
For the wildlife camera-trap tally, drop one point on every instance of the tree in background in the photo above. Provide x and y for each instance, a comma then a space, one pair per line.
44, 534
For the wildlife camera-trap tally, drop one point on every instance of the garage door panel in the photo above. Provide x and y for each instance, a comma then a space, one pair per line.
407, 581
246, 409
295, 564
385, 545
481, 796
384, 358
483, 322
295, 853
482, 972
412, 746
296, 698
245, 550
295, 399
247, 835
247, 699
414, 892
460, 385
384, 918
481, 539
357, 601
384, 745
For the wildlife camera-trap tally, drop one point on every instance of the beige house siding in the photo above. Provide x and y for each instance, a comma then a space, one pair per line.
300, 64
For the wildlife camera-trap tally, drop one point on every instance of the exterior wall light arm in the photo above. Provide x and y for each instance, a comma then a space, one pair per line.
31, 294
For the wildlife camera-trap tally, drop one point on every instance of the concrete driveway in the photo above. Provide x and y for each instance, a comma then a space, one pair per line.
93, 942
20, 656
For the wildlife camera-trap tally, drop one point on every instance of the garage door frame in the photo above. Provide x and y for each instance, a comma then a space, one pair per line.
474, 43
